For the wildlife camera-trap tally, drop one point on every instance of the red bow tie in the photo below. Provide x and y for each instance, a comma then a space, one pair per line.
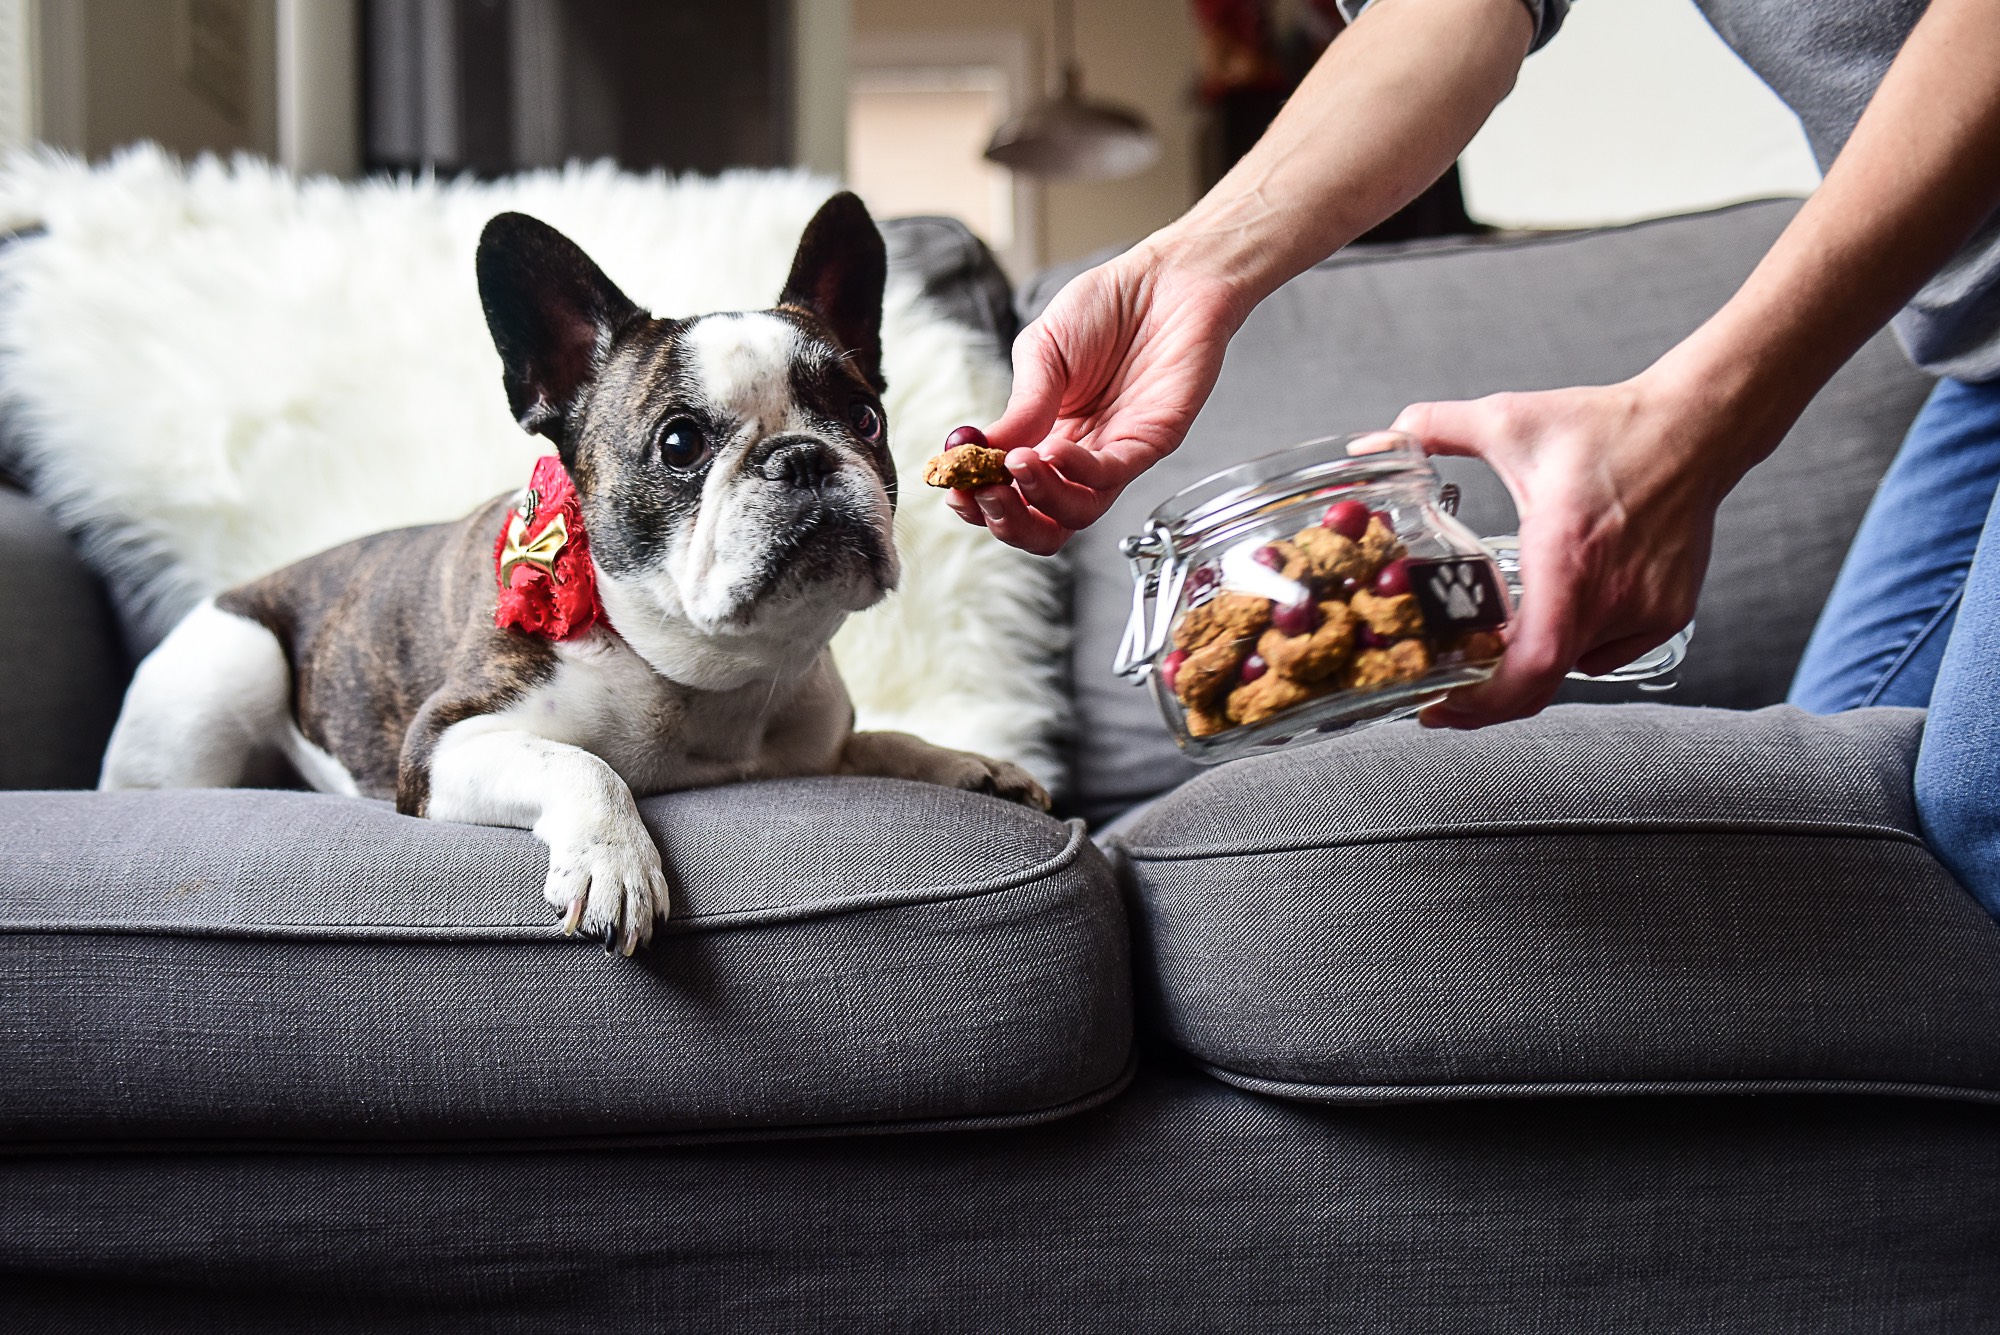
542, 560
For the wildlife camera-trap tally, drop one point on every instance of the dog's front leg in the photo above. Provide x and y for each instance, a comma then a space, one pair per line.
898, 755
605, 873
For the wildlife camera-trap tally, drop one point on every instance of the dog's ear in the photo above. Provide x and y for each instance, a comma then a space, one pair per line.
553, 315
838, 275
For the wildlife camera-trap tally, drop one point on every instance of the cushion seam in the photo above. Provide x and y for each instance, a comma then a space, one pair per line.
1309, 1092
1047, 868
1527, 829
544, 1144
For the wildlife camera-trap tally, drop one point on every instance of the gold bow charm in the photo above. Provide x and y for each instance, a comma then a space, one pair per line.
540, 551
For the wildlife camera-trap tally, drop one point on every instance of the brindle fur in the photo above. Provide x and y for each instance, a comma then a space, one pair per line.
391, 640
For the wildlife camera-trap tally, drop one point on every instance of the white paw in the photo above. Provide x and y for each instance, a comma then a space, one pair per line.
609, 884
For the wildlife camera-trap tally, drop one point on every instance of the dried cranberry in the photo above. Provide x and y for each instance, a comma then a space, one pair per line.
1254, 667
1347, 518
1393, 580
965, 435
1300, 618
1269, 557
1368, 639
1383, 517
1170, 670
1349, 587
1201, 579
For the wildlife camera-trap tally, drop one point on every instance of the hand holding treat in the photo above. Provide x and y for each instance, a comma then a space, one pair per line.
967, 462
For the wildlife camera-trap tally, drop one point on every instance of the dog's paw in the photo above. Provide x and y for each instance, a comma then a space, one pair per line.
898, 755
609, 885
1000, 778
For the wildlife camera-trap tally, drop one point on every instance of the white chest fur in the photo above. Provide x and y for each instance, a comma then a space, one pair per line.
659, 735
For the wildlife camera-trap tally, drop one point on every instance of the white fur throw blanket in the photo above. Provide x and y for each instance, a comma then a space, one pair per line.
207, 372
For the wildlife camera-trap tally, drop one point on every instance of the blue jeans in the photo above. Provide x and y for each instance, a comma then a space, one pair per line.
1914, 619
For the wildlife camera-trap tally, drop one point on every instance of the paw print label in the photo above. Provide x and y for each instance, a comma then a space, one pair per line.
1462, 593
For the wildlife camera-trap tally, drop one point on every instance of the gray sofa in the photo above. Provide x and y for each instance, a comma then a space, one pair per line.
1631, 1017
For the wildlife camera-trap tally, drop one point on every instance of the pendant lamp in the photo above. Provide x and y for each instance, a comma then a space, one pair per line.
1068, 137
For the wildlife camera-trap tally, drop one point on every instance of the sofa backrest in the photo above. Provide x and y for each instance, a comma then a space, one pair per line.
1346, 345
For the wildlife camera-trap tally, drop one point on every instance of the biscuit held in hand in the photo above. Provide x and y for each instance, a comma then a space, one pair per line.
966, 467
967, 462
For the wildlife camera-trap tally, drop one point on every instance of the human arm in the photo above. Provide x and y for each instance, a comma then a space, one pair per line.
1618, 485
1110, 377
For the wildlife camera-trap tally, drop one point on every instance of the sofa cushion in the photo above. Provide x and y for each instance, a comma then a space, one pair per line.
237, 966
1603, 899
1348, 344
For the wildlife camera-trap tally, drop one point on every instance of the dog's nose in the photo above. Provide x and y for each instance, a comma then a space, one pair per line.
799, 460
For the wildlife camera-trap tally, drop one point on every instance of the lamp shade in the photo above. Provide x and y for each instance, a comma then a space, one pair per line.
1071, 138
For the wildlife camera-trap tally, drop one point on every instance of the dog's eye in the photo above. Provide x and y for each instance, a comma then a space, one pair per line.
866, 420
682, 443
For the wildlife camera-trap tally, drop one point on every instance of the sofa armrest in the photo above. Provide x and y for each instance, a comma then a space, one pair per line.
60, 655
1606, 899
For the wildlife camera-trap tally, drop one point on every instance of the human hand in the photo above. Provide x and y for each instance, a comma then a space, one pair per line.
1106, 383
1617, 488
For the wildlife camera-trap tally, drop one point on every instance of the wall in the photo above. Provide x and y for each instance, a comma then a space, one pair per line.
273, 77
141, 74
1137, 52
1635, 110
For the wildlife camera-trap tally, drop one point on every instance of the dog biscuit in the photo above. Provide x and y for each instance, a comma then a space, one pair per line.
967, 466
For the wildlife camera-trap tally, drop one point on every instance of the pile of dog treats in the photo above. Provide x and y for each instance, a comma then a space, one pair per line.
1239, 659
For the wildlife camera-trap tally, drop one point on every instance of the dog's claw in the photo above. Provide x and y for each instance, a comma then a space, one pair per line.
574, 918
631, 942
611, 938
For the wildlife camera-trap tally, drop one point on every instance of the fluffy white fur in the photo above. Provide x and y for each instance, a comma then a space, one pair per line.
210, 371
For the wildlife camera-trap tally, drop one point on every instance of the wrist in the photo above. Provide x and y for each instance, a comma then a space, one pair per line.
1734, 396
1219, 258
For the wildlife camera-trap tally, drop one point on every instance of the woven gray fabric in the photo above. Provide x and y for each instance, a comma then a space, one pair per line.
1347, 345
60, 657
187, 967
1182, 1206
1614, 898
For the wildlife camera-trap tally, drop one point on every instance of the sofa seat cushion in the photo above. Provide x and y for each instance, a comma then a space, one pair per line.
277, 968
1603, 899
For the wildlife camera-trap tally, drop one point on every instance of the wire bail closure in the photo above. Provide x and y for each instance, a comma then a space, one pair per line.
1157, 576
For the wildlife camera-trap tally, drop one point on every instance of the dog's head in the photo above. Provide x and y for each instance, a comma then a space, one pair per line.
733, 469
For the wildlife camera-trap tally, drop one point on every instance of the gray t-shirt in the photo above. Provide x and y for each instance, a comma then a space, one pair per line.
1825, 59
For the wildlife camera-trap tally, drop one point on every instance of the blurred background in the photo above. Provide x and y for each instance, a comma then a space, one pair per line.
1637, 110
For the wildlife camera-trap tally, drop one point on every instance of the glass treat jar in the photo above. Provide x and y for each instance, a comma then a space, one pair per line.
1311, 591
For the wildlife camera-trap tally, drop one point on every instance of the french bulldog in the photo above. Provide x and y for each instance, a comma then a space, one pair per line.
653, 615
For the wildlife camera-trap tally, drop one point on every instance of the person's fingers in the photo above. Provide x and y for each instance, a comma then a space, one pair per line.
1610, 657
1069, 502
1540, 648
1463, 427
962, 505
1095, 466
1009, 519
1040, 377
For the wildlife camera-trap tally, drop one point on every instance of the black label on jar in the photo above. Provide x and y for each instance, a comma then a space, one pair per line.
1459, 594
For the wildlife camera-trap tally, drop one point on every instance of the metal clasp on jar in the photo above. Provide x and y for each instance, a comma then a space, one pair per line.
1157, 576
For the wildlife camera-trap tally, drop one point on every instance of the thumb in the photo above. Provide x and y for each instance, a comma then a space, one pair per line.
1040, 376
1460, 427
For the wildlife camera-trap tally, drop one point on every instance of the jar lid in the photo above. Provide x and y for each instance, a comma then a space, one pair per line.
1223, 500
